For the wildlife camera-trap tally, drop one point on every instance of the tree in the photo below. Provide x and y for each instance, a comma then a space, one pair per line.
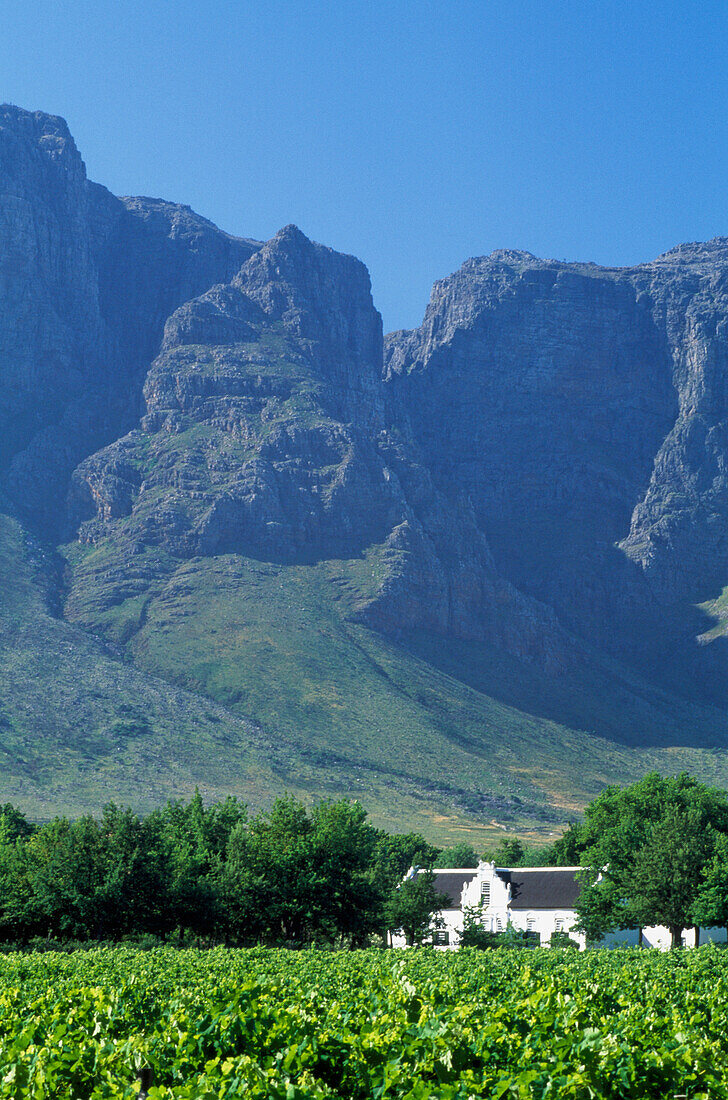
567, 850
132, 887
411, 908
349, 904
663, 884
14, 825
60, 867
273, 883
460, 855
473, 933
190, 841
509, 852
395, 853
711, 904
645, 849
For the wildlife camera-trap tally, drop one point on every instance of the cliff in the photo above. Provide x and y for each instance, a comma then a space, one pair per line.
583, 411
86, 283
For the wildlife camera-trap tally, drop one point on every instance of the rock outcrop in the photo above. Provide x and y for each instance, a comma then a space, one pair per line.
583, 412
268, 433
87, 282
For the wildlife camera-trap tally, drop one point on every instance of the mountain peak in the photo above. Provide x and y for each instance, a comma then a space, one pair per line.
47, 135
291, 232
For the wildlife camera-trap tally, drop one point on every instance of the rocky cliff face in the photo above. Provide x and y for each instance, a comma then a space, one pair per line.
267, 434
582, 410
86, 283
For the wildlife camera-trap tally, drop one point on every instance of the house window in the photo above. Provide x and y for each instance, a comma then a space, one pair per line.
498, 924
440, 938
530, 924
559, 925
485, 893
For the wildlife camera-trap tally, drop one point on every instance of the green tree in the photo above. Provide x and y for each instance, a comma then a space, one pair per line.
710, 908
131, 893
273, 885
189, 842
509, 852
473, 933
395, 853
349, 903
662, 885
460, 855
57, 871
632, 874
567, 850
412, 907
14, 824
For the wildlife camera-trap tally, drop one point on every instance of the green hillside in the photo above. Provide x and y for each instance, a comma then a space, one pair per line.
443, 735
79, 726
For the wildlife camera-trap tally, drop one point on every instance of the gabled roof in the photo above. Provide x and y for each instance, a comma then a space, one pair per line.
531, 887
541, 887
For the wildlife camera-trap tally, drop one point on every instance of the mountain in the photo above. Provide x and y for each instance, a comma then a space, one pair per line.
468, 573
582, 411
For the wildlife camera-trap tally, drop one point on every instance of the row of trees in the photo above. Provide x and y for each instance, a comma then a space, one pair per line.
289, 876
655, 853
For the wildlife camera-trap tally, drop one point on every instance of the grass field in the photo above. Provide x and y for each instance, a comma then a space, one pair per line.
411, 1025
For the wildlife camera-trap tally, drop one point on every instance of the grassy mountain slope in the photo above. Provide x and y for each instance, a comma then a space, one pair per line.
79, 727
459, 734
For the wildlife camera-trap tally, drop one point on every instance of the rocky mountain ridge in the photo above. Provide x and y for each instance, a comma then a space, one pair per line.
206, 432
585, 413
88, 281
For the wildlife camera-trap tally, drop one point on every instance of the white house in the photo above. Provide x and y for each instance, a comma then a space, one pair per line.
537, 900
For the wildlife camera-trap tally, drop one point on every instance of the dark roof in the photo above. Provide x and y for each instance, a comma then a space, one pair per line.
542, 887
451, 883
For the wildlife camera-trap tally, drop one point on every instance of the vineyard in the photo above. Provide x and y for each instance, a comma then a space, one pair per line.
309, 1025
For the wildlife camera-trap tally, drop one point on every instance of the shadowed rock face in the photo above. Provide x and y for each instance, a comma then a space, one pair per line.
86, 283
583, 412
267, 433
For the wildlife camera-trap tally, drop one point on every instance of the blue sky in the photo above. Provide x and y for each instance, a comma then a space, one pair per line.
413, 134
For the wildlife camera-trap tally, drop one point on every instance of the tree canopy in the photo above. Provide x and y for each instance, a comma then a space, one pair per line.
654, 854
288, 876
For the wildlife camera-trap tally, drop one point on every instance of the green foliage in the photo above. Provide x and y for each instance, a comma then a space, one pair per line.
668, 876
412, 907
415, 1025
289, 876
475, 935
509, 852
460, 855
710, 908
563, 940
649, 851
14, 824
566, 851
295, 878
395, 853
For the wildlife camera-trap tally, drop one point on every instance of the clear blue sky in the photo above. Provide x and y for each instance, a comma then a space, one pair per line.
413, 134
